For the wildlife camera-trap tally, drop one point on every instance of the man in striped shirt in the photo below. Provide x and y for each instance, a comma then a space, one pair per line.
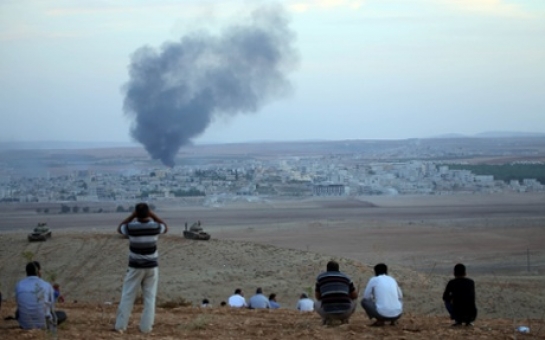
143, 228
336, 294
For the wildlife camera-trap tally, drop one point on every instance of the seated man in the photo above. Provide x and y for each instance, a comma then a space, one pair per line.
57, 292
272, 301
305, 304
259, 301
459, 297
336, 294
237, 300
36, 301
382, 298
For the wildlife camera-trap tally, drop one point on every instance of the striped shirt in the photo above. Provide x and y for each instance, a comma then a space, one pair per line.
335, 288
143, 238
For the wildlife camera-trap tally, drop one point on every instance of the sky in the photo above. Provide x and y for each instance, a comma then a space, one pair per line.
370, 69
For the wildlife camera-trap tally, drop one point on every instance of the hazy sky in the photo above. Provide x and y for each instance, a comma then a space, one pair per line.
367, 69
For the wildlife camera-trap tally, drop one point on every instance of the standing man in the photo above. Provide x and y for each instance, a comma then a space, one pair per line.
336, 294
382, 298
36, 301
143, 228
459, 297
259, 301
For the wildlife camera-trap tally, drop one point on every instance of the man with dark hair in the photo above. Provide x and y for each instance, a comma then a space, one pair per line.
237, 300
335, 293
272, 301
142, 227
36, 301
259, 301
382, 298
459, 297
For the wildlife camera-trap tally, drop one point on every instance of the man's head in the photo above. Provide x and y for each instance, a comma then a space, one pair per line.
272, 297
238, 291
141, 210
332, 266
33, 269
381, 269
459, 270
259, 290
304, 296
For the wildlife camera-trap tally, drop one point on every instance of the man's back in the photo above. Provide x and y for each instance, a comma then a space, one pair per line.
334, 288
143, 238
237, 301
305, 305
259, 301
386, 293
461, 292
34, 299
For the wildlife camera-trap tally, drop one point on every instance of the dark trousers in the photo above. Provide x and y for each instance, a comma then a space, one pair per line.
460, 317
59, 315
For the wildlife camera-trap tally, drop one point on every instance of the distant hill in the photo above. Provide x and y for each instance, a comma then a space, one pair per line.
74, 145
62, 145
492, 134
508, 134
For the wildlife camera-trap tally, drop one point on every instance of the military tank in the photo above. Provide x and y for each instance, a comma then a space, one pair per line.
196, 232
40, 233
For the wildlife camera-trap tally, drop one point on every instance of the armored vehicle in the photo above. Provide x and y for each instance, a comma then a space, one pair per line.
40, 233
195, 232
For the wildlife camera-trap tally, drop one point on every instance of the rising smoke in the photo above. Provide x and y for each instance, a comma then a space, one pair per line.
175, 93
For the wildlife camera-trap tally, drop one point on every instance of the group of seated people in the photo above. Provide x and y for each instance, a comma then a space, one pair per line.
335, 294
337, 298
260, 301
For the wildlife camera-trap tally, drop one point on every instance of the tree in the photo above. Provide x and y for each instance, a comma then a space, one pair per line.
85, 209
120, 208
75, 209
65, 209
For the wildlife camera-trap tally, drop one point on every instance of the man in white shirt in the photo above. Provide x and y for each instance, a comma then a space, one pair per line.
305, 304
36, 301
237, 300
382, 298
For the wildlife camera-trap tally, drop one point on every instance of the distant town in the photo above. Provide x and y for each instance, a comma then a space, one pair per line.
343, 174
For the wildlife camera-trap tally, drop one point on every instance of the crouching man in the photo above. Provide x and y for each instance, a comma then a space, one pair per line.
336, 295
459, 297
382, 299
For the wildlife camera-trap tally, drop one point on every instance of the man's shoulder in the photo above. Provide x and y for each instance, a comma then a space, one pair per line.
332, 274
33, 280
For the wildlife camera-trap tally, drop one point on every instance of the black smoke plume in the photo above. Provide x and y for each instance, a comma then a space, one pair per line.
174, 94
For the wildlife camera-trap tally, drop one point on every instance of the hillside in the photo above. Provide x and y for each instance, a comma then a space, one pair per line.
95, 320
90, 269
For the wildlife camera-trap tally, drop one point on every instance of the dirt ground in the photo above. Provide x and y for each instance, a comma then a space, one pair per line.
281, 246
94, 321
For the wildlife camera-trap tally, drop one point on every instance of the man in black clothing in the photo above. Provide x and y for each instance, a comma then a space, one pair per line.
459, 297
